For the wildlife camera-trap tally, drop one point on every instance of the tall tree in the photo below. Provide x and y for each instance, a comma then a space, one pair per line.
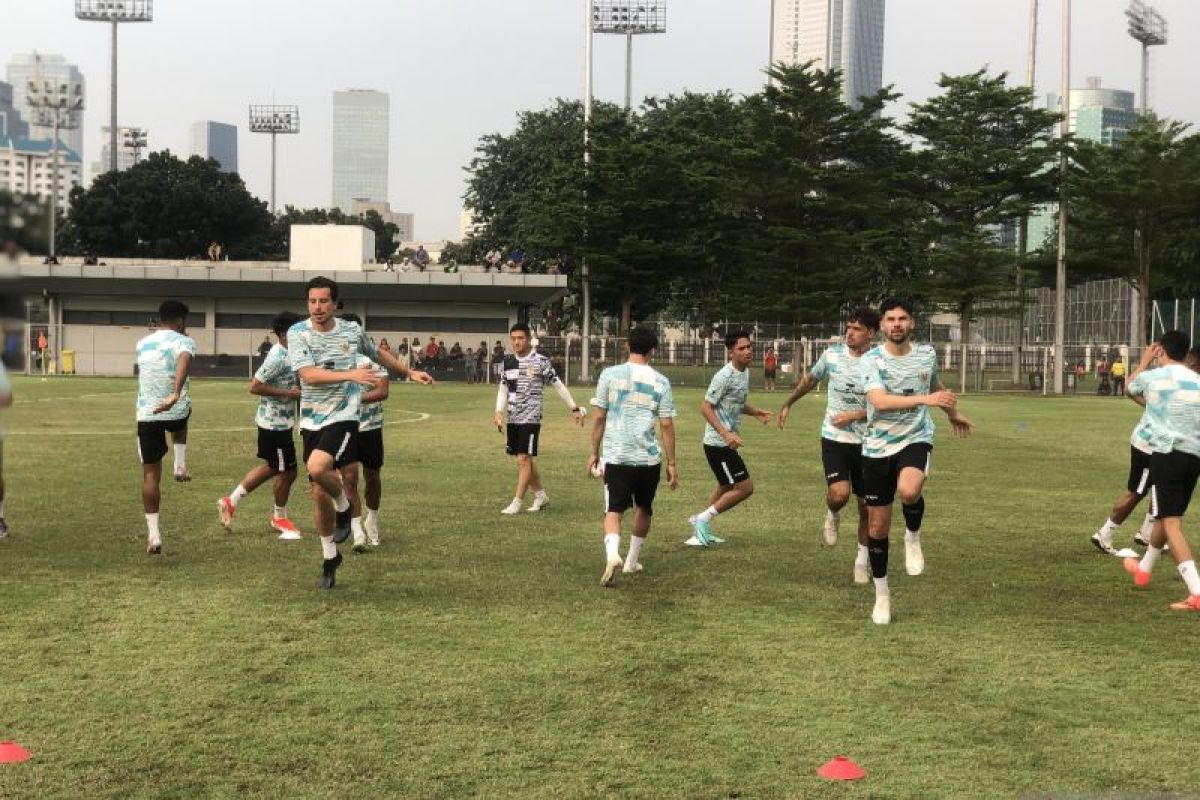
984, 159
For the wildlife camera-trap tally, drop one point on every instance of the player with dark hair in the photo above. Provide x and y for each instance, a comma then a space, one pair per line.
629, 399
364, 522
163, 406
901, 384
1171, 394
525, 373
843, 427
278, 389
723, 406
324, 351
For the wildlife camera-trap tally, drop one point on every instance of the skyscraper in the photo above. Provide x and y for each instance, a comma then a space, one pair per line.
217, 140
12, 126
125, 155
360, 147
846, 35
25, 67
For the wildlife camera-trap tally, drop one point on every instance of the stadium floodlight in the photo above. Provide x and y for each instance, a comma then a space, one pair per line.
629, 19
56, 104
136, 139
1149, 27
274, 120
114, 12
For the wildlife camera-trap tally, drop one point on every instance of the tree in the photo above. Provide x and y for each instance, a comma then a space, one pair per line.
984, 159
1134, 210
23, 223
169, 208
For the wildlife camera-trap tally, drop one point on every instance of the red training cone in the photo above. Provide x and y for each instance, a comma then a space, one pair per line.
11, 753
840, 768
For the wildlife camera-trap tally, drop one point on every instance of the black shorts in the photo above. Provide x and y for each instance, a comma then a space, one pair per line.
152, 437
881, 475
370, 448
726, 464
339, 439
1139, 472
843, 462
277, 449
1172, 481
769, 374
522, 438
626, 486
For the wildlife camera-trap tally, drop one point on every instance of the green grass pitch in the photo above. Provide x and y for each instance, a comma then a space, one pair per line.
475, 655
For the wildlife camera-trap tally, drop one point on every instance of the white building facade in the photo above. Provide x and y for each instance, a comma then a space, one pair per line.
846, 35
360, 147
25, 168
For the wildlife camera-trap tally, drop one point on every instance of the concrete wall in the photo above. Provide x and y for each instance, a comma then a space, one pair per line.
332, 247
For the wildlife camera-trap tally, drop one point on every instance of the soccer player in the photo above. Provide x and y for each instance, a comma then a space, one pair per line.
6, 400
525, 373
278, 390
163, 406
324, 352
723, 406
1172, 398
901, 384
629, 399
370, 449
843, 427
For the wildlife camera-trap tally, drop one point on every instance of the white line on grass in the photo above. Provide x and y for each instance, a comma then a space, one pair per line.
421, 416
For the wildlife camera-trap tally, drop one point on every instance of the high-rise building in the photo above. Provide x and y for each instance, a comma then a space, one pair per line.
125, 155
216, 140
403, 220
360, 147
25, 168
11, 124
846, 35
25, 67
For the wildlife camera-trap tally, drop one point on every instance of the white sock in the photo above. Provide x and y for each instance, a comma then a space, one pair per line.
540, 494
1148, 558
612, 546
912, 537
1192, 578
328, 548
635, 550
152, 527
280, 512
708, 514
373, 517
881, 587
836, 516
862, 559
1147, 526
517, 502
237, 494
1107, 529
180, 457
341, 503
356, 527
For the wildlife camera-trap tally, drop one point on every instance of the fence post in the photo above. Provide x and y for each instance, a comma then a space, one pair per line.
671, 351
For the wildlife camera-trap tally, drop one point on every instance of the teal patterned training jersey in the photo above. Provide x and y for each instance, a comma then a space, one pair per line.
727, 392
634, 396
844, 371
276, 413
1172, 396
1140, 438
157, 356
337, 349
370, 415
889, 432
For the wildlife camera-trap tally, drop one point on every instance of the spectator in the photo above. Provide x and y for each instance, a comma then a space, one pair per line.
1102, 368
389, 265
51, 260
214, 251
90, 260
470, 365
481, 362
431, 351
1118, 376
384, 346
770, 365
417, 354
492, 260
406, 264
498, 358
442, 356
517, 256
264, 347
456, 352
450, 266
421, 258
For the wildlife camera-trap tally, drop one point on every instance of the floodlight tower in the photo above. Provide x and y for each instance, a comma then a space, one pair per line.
1149, 27
55, 104
274, 120
136, 139
114, 12
629, 19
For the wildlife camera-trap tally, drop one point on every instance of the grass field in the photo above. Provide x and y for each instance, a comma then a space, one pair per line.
477, 655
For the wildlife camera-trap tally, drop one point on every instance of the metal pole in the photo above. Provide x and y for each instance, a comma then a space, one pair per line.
1060, 284
53, 187
112, 119
628, 71
585, 372
1145, 77
272, 173
771, 42
1023, 231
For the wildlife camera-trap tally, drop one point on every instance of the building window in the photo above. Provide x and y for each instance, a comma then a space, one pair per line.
245, 321
129, 319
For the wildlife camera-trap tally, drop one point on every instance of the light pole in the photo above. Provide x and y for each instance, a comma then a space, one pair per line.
1060, 282
274, 120
55, 104
1023, 230
629, 19
114, 12
1149, 27
589, 26
136, 139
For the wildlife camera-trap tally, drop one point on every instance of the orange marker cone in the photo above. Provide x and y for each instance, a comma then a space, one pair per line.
840, 768
12, 753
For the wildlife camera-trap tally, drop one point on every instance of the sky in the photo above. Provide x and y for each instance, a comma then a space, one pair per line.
456, 70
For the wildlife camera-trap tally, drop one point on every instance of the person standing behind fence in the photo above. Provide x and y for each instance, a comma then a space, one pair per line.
1118, 376
770, 367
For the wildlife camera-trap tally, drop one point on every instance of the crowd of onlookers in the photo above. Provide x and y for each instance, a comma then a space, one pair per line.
433, 354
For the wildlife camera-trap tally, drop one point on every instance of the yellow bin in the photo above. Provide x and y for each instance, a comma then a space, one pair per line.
68, 362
